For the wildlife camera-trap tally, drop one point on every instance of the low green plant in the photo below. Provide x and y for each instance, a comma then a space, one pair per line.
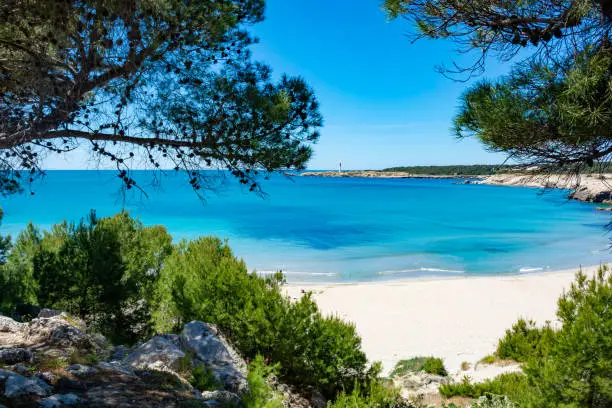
487, 401
488, 359
204, 379
465, 365
431, 365
261, 394
525, 341
509, 384
78, 357
379, 394
51, 363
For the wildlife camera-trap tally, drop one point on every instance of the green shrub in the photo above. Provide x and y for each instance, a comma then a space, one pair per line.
202, 280
487, 401
204, 379
102, 270
261, 394
379, 394
509, 384
488, 359
525, 341
577, 372
430, 365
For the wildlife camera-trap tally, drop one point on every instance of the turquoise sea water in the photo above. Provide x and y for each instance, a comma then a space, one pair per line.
326, 229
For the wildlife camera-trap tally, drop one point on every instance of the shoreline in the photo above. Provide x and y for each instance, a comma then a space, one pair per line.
456, 318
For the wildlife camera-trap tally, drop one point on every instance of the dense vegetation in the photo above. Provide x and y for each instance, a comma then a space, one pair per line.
569, 367
127, 280
160, 83
456, 170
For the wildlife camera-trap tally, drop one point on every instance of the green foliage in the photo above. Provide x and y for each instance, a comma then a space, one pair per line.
146, 82
487, 401
578, 369
457, 170
379, 394
510, 384
102, 270
202, 280
488, 359
525, 341
430, 365
204, 379
261, 394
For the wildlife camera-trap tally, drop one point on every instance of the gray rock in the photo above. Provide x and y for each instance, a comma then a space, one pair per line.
217, 355
16, 355
79, 370
224, 398
47, 377
4, 374
17, 385
20, 368
58, 332
8, 325
159, 353
59, 400
47, 313
119, 352
115, 366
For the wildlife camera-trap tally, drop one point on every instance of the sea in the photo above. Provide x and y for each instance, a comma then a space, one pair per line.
319, 230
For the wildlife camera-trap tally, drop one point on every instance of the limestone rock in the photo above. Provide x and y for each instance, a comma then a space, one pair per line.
17, 385
217, 355
47, 313
60, 400
8, 325
159, 353
16, 355
224, 398
80, 370
58, 332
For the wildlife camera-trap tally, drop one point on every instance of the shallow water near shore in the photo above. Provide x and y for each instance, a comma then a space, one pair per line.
351, 229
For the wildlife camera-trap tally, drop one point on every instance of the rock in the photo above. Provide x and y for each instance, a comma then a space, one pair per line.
217, 355
119, 352
67, 384
20, 368
114, 366
80, 370
8, 325
60, 400
58, 332
418, 383
159, 353
16, 355
47, 377
584, 193
48, 313
604, 208
17, 385
4, 374
224, 398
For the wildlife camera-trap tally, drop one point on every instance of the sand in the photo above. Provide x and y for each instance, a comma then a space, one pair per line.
457, 319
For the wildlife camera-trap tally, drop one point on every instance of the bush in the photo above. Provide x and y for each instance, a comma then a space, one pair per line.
202, 280
488, 401
525, 341
430, 365
510, 384
261, 394
577, 372
102, 270
204, 379
379, 394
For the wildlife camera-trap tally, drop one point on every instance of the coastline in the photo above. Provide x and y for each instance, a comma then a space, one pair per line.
382, 174
456, 318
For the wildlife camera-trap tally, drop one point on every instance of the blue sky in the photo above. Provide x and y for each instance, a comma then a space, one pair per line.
382, 100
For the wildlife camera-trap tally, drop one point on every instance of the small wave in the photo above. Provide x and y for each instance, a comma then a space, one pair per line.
527, 269
404, 271
296, 273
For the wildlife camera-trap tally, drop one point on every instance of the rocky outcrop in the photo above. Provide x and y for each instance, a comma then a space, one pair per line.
46, 365
597, 189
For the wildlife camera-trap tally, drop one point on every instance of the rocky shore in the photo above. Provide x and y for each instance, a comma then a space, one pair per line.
52, 361
595, 188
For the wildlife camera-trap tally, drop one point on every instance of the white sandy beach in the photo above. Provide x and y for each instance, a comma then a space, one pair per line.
457, 319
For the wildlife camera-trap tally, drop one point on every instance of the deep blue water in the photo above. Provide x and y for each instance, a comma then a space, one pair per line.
326, 229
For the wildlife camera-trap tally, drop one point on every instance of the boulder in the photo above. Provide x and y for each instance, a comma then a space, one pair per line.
223, 398
114, 366
16, 355
17, 385
58, 331
48, 313
159, 353
8, 325
217, 355
80, 370
60, 400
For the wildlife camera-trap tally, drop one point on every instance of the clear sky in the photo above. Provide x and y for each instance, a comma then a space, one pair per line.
382, 100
